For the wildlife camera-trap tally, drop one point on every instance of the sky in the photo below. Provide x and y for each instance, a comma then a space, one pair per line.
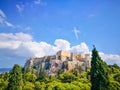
35, 28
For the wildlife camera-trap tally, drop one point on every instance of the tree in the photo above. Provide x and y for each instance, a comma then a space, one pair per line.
117, 77
114, 69
37, 85
4, 81
42, 74
114, 85
99, 72
30, 77
28, 86
15, 80
67, 77
3, 84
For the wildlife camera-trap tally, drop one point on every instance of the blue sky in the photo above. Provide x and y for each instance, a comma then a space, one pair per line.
69, 23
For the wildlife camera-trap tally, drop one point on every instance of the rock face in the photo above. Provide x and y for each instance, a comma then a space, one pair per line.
63, 60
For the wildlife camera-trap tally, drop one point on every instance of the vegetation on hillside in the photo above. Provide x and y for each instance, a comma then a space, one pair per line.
100, 77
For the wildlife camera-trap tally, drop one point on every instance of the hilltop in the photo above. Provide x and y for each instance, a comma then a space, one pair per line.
63, 60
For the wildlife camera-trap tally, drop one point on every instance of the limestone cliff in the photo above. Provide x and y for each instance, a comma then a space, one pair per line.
63, 60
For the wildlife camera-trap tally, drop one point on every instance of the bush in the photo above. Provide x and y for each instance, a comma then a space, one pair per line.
28, 86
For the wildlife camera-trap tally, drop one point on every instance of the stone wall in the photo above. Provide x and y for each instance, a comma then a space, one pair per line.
63, 55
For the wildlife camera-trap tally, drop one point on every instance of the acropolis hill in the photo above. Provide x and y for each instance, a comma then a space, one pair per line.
63, 60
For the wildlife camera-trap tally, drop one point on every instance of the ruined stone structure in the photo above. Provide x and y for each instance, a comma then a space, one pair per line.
63, 60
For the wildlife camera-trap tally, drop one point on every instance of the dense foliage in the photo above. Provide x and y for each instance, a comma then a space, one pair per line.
97, 78
31, 81
99, 73
65, 80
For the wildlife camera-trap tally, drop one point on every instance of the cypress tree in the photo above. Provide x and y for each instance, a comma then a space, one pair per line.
15, 80
99, 72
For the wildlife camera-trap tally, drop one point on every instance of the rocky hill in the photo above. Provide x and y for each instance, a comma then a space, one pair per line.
63, 60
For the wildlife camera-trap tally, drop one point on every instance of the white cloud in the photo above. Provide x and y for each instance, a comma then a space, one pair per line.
20, 41
23, 45
25, 28
110, 58
5, 23
16, 37
37, 1
76, 32
39, 49
2, 14
28, 6
2, 17
8, 24
40, 2
62, 44
13, 41
20, 8
28, 28
3, 20
82, 48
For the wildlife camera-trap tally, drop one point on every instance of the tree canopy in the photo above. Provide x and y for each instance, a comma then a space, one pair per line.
99, 72
15, 80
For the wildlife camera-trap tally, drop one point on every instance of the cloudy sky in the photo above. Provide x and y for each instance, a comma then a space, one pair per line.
35, 28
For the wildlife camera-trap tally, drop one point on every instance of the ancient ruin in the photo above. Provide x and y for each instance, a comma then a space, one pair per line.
63, 60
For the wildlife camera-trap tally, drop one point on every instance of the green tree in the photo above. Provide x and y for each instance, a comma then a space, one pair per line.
4, 81
99, 72
52, 78
81, 85
114, 85
67, 77
117, 77
42, 74
15, 80
114, 69
28, 86
37, 85
30, 77
3, 84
